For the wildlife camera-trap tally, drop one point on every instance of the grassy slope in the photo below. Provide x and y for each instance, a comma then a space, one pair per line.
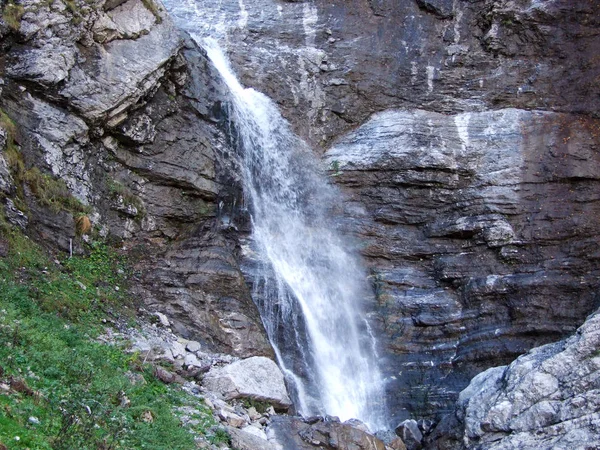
81, 392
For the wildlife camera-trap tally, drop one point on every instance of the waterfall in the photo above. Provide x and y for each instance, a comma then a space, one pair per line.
313, 274
308, 288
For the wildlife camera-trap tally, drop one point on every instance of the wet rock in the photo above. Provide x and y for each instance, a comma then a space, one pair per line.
294, 433
244, 440
457, 206
441, 8
546, 399
396, 444
410, 434
257, 378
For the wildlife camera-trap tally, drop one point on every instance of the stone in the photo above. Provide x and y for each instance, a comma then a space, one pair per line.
441, 8
138, 129
163, 319
410, 434
535, 402
396, 444
190, 360
193, 346
295, 433
132, 19
244, 440
232, 419
250, 429
124, 70
178, 350
257, 378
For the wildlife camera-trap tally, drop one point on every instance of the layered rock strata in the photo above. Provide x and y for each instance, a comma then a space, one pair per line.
109, 102
546, 399
480, 230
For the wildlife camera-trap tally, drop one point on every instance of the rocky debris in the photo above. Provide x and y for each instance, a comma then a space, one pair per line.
410, 434
546, 399
466, 239
199, 285
293, 433
257, 378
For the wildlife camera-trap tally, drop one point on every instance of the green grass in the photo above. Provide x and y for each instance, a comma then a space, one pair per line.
78, 393
12, 14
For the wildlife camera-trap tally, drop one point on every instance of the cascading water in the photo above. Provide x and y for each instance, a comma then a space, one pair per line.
310, 289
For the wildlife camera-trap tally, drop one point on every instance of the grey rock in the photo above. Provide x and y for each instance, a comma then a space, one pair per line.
178, 350
138, 130
121, 73
245, 440
191, 361
193, 346
47, 66
451, 210
14, 215
163, 319
410, 434
132, 19
546, 399
6, 179
294, 433
441, 8
256, 378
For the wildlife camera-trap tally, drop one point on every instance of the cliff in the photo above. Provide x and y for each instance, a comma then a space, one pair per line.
463, 134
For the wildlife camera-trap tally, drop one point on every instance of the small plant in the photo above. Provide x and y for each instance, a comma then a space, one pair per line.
12, 15
83, 225
219, 436
53, 192
76, 389
153, 8
122, 194
261, 407
334, 167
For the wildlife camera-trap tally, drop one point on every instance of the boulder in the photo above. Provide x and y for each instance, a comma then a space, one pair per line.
546, 399
320, 433
256, 378
245, 440
410, 434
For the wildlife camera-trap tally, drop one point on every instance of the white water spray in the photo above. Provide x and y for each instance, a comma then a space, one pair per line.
291, 215
308, 289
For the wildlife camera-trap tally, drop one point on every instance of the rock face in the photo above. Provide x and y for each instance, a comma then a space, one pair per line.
257, 378
546, 399
110, 103
470, 173
330, 65
472, 224
465, 135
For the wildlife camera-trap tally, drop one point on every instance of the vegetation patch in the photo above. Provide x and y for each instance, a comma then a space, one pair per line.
53, 192
59, 387
12, 14
153, 8
120, 193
